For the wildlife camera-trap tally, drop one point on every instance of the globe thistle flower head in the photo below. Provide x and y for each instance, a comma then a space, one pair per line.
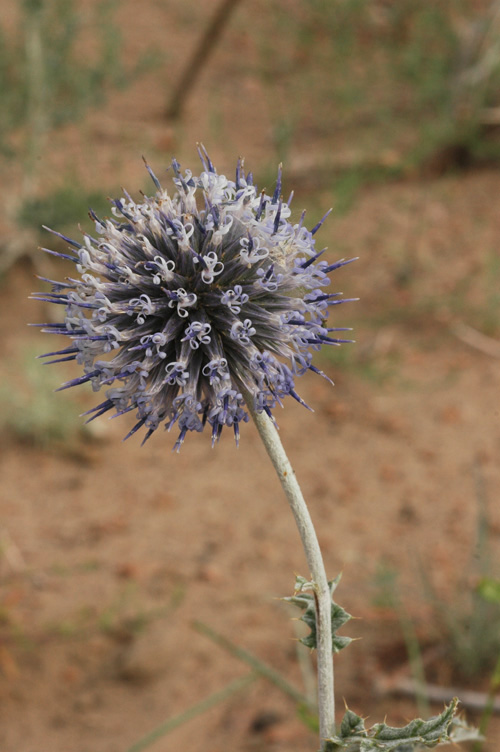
185, 302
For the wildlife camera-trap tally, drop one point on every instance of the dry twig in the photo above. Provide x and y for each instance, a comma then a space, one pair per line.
478, 340
409, 688
207, 44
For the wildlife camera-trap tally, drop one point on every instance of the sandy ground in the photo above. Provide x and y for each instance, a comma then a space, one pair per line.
109, 553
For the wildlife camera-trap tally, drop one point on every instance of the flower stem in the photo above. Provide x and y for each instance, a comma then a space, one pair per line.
286, 475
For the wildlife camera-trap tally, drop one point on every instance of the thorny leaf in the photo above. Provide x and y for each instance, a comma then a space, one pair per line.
460, 731
351, 724
416, 735
306, 601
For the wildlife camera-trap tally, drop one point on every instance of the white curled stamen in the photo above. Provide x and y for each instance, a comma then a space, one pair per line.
252, 254
183, 300
242, 331
165, 272
197, 334
234, 299
176, 373
145, 305
213, 267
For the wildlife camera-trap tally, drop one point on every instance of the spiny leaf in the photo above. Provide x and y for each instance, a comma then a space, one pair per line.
351, 724
353, 737
306, 601
460, 731
429, 733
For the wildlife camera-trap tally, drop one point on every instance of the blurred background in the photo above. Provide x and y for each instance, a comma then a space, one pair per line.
389, 112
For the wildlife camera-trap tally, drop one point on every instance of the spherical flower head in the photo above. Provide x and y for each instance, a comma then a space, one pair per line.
186, 302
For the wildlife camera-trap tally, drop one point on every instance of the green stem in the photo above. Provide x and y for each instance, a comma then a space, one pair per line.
192, 712
488, 708
257, 665
286, 475
37, 104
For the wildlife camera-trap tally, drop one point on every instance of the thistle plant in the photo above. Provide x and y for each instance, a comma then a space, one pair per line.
181, 310
200, 308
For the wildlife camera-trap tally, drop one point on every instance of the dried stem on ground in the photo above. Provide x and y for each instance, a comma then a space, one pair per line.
407, 687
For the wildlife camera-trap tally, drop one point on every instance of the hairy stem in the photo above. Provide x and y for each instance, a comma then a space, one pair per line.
323, 598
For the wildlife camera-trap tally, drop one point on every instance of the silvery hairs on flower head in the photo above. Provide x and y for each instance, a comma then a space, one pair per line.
182, 303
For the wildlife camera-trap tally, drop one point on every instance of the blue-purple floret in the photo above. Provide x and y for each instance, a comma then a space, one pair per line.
184, 303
